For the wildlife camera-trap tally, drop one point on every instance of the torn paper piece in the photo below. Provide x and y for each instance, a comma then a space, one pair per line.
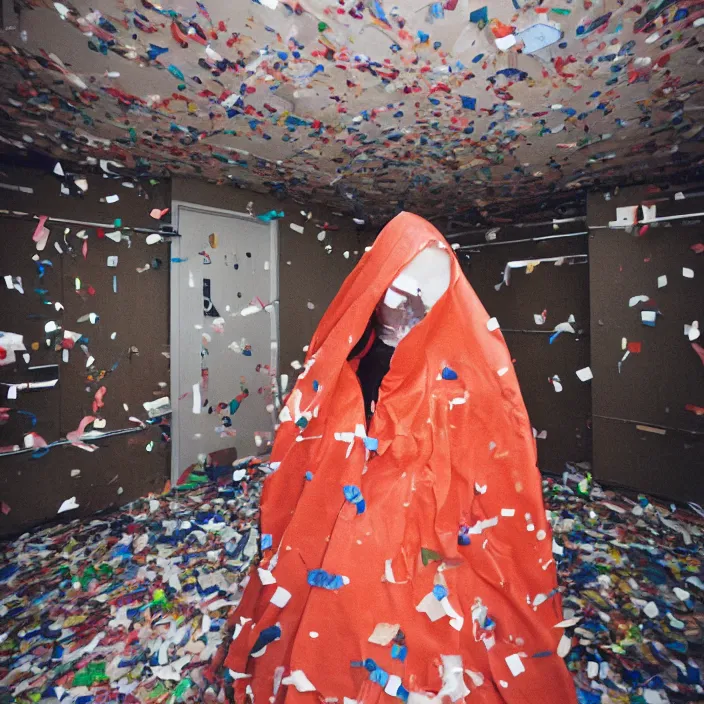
515, 664
565, 327
281, 597
41, 233
68, 505
505, 43
662, 281
196, 398
649, 213
435, 609
584, 374
687, 272
647, 317
158, 407
265, 576
692, 332
10, 342
564, 646
492, 324
384, 633
298, 679
625, 216
635, 300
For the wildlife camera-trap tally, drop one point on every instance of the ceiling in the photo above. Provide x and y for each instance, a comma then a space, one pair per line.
366, 105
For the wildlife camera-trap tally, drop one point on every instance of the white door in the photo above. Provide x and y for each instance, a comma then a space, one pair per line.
222, 362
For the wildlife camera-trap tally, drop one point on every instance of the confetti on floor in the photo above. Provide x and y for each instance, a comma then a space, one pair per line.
128, 607
131, 607
631, 572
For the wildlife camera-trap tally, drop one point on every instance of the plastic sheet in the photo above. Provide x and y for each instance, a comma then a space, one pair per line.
438, 436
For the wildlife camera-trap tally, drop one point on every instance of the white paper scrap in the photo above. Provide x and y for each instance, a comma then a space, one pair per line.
649, 212
265, 576
662, 281
635, 300
564, 646
299, 680
585, 374
625, 217
515, 664
281, 597
68, 505
505, 43
651, 610
196, 398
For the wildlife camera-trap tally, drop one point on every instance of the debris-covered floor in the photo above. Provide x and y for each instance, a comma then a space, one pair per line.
131, 607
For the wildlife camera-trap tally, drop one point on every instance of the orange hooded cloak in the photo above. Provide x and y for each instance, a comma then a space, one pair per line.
410, 560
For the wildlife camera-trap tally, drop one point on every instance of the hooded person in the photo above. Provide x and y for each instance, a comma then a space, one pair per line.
406, 553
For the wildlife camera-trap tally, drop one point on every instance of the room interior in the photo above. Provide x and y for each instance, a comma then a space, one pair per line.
185, 187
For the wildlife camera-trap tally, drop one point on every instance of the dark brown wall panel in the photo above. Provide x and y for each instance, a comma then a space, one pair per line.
121, 469
665, 465
562, 291
654, 386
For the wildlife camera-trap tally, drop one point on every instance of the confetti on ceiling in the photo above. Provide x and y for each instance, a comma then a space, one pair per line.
426, 106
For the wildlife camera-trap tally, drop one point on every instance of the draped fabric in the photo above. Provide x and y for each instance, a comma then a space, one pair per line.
411, 559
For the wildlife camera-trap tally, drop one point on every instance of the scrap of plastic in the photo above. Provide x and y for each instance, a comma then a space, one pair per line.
325, 580
271, 215
353, 494
538, 36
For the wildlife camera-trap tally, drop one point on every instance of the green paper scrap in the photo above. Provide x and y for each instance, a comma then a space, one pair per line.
428, 555
93, 672
182, 687
158, 691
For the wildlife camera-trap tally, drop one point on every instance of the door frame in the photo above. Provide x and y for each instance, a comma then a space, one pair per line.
175, 323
